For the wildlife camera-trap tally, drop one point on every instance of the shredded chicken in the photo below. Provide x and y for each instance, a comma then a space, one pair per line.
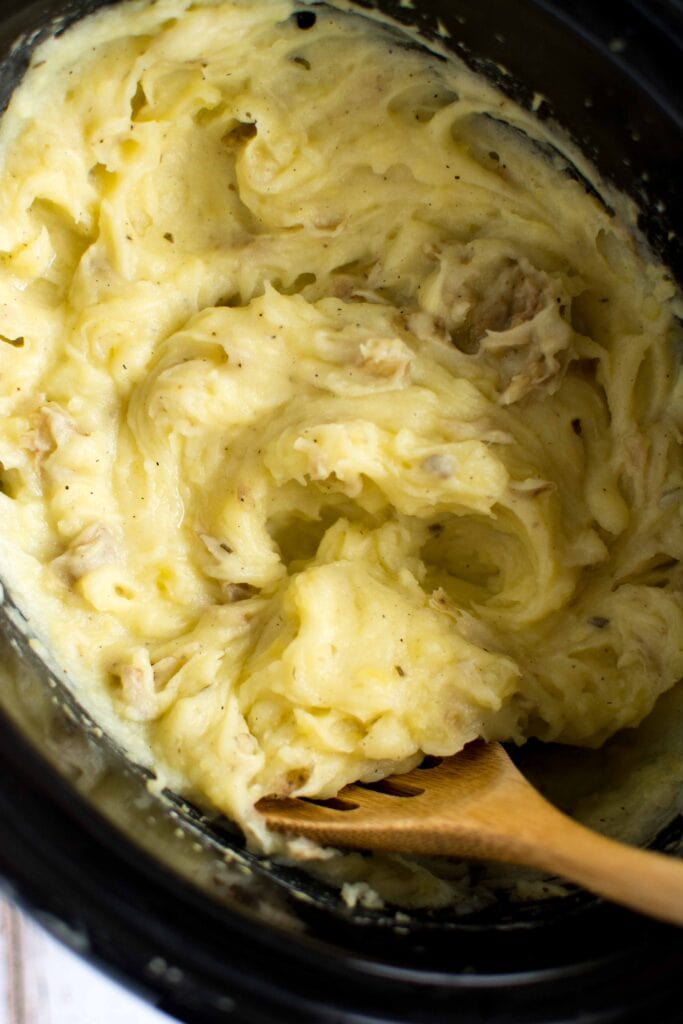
50, 426
504, 310
138, 689
92, 548
532, 354
386, 357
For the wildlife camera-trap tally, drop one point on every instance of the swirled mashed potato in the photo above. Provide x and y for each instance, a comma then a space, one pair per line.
340, 424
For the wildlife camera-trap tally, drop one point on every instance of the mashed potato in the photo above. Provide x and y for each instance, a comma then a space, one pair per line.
340, 423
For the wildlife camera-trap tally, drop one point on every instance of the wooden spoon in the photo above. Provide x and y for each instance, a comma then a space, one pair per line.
477, 804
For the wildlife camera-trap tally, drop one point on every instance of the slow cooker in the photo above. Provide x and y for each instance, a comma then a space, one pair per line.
170, 901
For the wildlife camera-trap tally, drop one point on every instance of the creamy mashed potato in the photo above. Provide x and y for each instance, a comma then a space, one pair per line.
340, 424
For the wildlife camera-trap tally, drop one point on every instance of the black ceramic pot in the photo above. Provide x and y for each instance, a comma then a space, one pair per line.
169, 901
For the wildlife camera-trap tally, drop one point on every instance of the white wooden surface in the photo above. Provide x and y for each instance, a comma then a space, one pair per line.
43, 982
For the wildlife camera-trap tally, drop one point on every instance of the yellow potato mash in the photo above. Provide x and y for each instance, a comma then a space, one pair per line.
340, 423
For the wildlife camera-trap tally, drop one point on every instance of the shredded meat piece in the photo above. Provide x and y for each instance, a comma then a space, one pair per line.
50, 426
93, 547
516, 295
138, 690
532, 355
386, 357
500, 308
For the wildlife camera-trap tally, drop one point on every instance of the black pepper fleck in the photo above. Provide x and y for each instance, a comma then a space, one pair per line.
305, 19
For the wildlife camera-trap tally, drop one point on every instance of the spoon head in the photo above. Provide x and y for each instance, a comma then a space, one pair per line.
407, 813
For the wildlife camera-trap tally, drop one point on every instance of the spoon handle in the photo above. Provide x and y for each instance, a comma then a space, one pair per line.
518, 825
643, 880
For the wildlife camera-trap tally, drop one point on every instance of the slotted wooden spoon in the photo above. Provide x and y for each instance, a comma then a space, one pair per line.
477, 804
